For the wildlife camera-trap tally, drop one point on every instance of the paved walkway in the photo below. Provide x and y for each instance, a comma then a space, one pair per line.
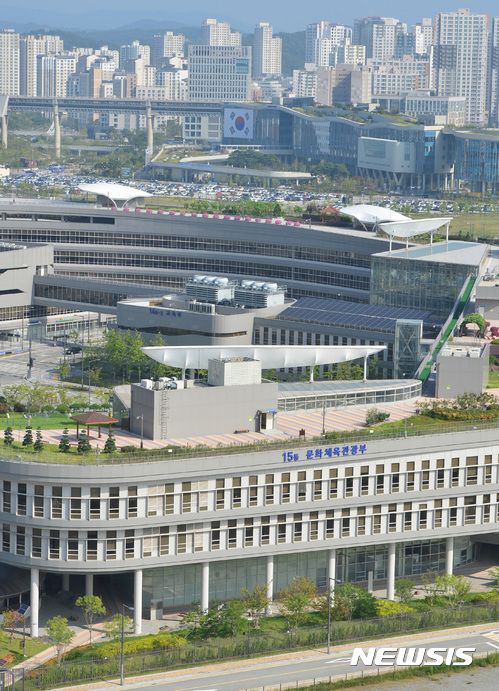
288, 427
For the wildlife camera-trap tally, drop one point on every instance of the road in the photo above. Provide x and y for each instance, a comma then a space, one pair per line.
318, 665
14, 368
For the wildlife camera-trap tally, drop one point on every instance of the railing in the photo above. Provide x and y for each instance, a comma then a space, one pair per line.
177, 452
257, 644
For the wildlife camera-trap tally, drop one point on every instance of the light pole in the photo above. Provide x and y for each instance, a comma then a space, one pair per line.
123, 639
91, 362
250, 619
141, 418
329, 612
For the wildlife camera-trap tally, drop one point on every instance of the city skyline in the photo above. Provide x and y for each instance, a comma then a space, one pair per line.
56, 15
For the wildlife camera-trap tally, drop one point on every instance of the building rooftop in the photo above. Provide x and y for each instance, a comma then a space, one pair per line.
350, 314
453, 252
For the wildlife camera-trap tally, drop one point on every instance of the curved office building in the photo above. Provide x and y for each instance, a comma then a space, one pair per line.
199, 528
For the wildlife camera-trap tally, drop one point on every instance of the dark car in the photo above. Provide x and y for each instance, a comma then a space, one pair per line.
73, 349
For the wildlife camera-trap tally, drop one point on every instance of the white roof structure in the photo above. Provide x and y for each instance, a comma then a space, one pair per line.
119, 195
372, 215
271, 356
412, 227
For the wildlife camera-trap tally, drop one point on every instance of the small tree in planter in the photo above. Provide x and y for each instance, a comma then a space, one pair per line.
64, 441
110, 445
28, 437
374, 416
38, 445
8, 437
83, 443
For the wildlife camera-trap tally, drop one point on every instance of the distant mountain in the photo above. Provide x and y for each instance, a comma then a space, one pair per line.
15, 18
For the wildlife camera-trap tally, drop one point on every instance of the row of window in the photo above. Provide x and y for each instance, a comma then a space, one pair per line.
239, 534
237, 492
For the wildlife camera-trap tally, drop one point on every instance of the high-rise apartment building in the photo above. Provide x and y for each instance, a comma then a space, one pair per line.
9, 62
321, 38
461, 42
493, 73
267, 51
423, 35
219, 73
53, 72
378, 35
30, 47
134, 51
215, 33
167, 45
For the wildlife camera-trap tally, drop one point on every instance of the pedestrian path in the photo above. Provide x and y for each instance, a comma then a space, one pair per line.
288, 426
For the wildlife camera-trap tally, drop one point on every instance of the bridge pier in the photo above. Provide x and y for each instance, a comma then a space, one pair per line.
4, 131
57, 131
4, 104
149, 125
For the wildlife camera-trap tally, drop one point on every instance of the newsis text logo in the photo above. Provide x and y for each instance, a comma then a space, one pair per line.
412, 657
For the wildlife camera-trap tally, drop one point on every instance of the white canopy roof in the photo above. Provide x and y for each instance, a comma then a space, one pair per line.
197, 357
113, 191
410, 228
368, 213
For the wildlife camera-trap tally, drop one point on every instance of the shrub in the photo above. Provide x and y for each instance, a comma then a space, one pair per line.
373, 416
19, 407
389, 608
129, 449
4, 408
162, 640
62, 408
486, 597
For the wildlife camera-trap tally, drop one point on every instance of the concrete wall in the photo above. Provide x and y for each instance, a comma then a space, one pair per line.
461, 374
200, 411
17, 269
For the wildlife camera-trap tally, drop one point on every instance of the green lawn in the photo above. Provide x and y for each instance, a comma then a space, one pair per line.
57, 421
8, 647
493, 379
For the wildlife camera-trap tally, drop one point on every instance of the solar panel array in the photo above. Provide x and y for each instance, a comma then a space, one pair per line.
350, 314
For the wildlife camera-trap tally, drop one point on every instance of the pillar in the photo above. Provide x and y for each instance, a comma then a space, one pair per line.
89, 584
57, 131
205, 586
150, 133
4, 131
137, 601
449, 555
390, 580
65, 581
365, 367
331, 569
269, 581
35, 601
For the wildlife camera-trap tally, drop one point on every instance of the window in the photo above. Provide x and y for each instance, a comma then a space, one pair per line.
36, 543
91, 545
215, 535
253, 490
281, 528
54, 544
73, 544
20, 540
248, 532
169, 498
110, 545
286, 487
21, 499
129, 544
6, 496
75, 502
269, 489
330, 524
232, 534
6, 538
56, 502
302, 486
164, 540
265, 530
472, 470
38, 507
236, 492
131, 506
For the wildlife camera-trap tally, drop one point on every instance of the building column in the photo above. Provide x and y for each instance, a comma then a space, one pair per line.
35, 601
4, 131
390, 576
205, 586
65, 581
269, 581
331, 569
57, 131
449, 556
137, 601
89, 584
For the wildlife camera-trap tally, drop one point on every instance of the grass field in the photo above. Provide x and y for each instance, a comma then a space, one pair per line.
9, 648
42, 421
493, 380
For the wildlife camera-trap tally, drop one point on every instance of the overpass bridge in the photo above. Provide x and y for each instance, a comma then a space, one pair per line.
99, 106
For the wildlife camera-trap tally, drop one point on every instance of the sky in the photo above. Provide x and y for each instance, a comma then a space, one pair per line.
284, 15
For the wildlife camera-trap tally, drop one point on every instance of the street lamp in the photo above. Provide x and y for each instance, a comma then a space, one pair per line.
123, 639
91, 362
330, 579
141, 418
250, 619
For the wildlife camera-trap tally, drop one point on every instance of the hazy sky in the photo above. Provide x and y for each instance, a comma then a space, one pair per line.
284, 15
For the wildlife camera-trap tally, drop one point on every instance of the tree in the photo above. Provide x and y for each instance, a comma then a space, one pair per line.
92, 606
192, 616
38, 445
256, 602
63, 370
59, 635
232, 613
455, 587
354, 601
95, 374
10, 620
404, 588
110, 445
494, 574
64, 441
117, 623
295, 600
8, 437
83, 443
28, 437
429, 585
373, 416
477, 319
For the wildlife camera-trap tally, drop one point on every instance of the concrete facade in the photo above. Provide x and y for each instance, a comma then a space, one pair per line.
462, 368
